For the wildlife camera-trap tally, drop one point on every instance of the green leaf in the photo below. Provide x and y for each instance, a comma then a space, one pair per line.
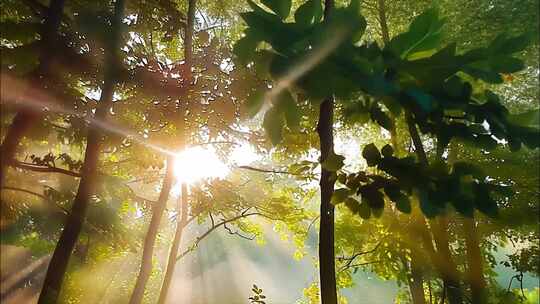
371, 154
273, 125
281, 7
526, 119
340, 195
424, 34
255, 102
245, 48
309, 13
286, 103
333, 162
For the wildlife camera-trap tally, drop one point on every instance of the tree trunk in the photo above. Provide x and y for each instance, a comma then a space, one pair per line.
157, 214
74, 222
150, 239
26, 118
416, 284
474, 262
450, 272
180, 225
442, 258
326, 183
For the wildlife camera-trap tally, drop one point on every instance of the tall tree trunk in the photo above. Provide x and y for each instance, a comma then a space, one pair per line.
151, 235
74, 222
474, 262
325, 130
442, 258
451, 274
25, 118
416, 284
180, 225
157, 214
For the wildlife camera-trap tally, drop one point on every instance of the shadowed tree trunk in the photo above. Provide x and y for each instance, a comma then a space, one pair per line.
326, 183
474, 262
25, 118
74, 222
180, 225
157, 213
451, 274
442, 257
151, 235
416, 282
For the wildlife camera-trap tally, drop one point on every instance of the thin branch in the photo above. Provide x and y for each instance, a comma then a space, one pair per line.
45, 198
214, 227
45, 169
269, 170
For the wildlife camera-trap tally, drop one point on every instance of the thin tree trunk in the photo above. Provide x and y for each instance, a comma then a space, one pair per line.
26, 118
74, 222
474, 262
151, 235
326, 183
180, 225
157, 214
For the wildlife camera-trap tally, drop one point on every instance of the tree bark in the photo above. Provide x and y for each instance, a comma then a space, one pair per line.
474, 262
325, 130
151, 235
26, 118
180, 225
74, 222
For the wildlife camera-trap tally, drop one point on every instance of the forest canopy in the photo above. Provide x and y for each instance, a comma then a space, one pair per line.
270, 151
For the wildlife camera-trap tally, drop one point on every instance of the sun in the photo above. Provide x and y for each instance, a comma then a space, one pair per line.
196, 163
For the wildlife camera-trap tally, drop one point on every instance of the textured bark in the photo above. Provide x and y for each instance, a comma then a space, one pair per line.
475, 262
26, 118
74, 222
181, 222
151, 235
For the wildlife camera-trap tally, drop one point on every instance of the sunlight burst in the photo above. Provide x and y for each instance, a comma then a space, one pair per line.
196, 163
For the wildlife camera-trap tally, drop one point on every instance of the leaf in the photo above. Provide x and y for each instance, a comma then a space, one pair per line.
387, 151
273, 125
381, 118
424, 34
428, 208
364, 211
373, 197
339, 196
309, 13
333, 162
281, 7
526, 119
245, 48
286, 103
254, 102
371, 154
